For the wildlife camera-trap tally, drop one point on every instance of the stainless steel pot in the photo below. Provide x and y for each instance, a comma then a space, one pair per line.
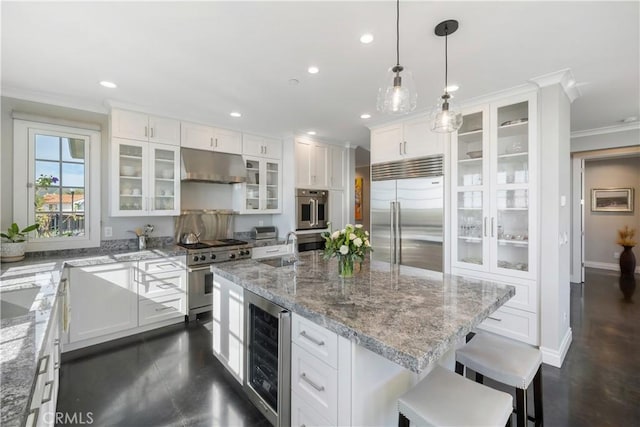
190, 238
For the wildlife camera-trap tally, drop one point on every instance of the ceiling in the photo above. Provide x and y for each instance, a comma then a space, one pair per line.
202, 60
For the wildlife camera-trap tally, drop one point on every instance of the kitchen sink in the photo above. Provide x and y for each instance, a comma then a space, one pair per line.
278, 262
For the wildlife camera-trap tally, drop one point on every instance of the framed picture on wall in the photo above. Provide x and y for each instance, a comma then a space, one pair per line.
358, 197
612, 199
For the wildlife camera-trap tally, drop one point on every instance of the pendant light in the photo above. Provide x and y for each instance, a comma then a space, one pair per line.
445, 119
398, 94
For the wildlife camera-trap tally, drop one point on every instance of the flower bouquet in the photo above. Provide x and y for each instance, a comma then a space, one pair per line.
349, 245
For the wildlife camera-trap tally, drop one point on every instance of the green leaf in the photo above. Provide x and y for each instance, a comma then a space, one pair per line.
30, 228
14, 228
5, 236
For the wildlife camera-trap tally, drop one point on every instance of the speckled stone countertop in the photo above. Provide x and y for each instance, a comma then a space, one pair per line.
409, 316
22, 333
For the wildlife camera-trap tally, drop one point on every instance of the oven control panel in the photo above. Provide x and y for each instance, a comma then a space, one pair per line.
209, 256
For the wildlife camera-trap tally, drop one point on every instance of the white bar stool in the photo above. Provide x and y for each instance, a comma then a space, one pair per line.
443, 398
509, 362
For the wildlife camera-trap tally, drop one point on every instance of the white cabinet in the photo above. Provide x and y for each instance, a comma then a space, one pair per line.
209, 138
145, 178
494, 199
104, 300
311, 164
337, 209
162, 289
259, 146
228, 325
143, 127
409, 139
45, 392
262, 192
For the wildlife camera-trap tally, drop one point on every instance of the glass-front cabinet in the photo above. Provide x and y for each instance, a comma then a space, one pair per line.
261, 193
146, 178
493, 191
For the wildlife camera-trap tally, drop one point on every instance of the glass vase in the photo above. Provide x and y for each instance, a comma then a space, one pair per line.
345, 266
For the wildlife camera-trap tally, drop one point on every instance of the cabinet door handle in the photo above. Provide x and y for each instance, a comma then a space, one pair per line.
495, 318
151, 132
48, 384
405, 147
493, 226
400, 148
216, 142
485, 226
165, 308
146, 131
312, 339
44, 365
311, 383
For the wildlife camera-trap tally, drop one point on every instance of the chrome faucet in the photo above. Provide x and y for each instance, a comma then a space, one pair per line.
294, 242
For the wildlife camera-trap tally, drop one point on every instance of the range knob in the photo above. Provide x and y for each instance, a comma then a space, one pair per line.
232, 256
245, 252
213, 256
202, 257
195, 258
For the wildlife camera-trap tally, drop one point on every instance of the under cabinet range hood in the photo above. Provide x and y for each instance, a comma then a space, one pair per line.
211, 166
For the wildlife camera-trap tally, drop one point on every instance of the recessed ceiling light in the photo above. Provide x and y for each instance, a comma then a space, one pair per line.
366, 38
235, 114
293, 82
110, 85
452, 88
365, 116
311, 132
313, 70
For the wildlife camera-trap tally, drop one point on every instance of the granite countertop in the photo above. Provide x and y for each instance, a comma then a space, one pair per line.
22, 333
409, 316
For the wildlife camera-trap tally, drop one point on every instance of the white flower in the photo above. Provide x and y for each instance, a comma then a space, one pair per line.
358, 225
348, 226
366, 233
357, 242
366, 243
352, 236
335, 234
344, 249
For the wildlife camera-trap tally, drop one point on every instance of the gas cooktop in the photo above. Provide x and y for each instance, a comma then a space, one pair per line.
208, 244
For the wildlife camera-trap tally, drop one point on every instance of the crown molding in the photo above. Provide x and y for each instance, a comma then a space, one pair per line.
562, 77
53, 99
623, 127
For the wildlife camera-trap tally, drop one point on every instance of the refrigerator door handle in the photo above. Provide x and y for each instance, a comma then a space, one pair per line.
398, 235
485, 226
392, 234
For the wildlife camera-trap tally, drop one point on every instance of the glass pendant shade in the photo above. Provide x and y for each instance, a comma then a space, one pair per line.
445, 118
398, 93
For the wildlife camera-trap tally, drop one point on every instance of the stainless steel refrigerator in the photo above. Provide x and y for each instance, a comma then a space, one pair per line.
407, 212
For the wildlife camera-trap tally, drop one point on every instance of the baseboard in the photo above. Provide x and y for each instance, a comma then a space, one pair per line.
556, 357
607, 266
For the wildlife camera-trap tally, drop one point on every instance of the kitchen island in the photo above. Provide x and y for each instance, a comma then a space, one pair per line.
395, 322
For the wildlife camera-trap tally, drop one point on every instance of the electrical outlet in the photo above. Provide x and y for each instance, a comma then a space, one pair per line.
108, 231
616, 255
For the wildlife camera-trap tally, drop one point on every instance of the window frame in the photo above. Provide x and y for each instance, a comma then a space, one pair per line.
23, 177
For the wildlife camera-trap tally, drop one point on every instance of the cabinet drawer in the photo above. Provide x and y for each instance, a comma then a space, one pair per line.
315, 382
269, 251
304, 415
315, 339
152, 311
163, 264
153, 286
513, 323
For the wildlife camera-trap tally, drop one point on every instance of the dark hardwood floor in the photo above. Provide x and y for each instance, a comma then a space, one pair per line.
170, 378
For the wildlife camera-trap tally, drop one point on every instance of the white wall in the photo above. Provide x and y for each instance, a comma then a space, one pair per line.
601, 227
605, 138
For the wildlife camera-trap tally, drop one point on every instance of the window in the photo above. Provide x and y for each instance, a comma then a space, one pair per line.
57, 184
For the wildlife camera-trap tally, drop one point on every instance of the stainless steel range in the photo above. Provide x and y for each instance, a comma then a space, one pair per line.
200, 256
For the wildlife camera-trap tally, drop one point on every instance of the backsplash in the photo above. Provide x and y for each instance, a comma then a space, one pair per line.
107, 246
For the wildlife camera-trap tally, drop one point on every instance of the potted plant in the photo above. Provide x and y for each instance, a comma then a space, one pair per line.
627, 258
15, 242
348, 245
